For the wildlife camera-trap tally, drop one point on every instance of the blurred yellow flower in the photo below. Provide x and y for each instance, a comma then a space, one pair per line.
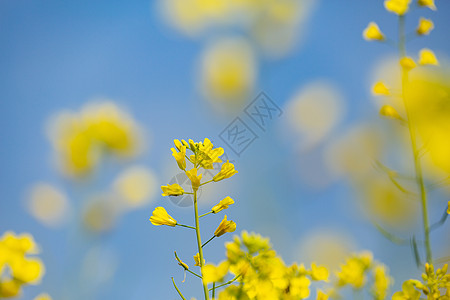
408, 292
223, 204
321, 295
172, 190
407, 63
319, 272
43, 296
399, 7
212, 273
136, 186
9, 288
195, 179
427, 57
161, 217
425, 26
227, 170
382, 282
389, 112
428, 3
373, 32
380, 88
224, 227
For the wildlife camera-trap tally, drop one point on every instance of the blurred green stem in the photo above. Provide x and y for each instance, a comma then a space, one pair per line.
417, 165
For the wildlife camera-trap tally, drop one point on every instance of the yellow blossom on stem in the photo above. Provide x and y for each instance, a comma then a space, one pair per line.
172, 190
161, 217
425, 26
408, 292
427, 57
223, 204
399, 7
195, 179
380, 88
197, 260
373, 32
226, 171
427, 3
180, 157
389, 112
224, 227
407, 63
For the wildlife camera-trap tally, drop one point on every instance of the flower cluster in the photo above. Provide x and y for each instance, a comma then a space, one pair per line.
203, 156
81, 138
17, 268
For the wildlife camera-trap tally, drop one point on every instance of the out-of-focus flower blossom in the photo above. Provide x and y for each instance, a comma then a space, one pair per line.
212, 273
17, 268
227, 170
319, 272
48, 204
389, 112
80, 139
161, 217
224, 227
408, 292
136, 186
228, 73
373, 32
399, 7
380, 88
172, 190
101, 212
425, 26
223, 204
427, 3
382, 282
427, 57
353, 272
314, 111
321, 295
407, 63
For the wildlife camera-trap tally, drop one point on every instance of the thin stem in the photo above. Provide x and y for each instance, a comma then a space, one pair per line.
208, 241
417, 165
187, 226
199, 244
205, 214
214, 290
179, 293
228, 282
193, 273
206, 182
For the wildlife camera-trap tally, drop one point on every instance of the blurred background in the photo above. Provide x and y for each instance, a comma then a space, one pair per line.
93, 93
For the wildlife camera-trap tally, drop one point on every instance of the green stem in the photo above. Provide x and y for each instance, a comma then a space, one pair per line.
187, 226
206, 182
205, 214
417, 165
208, 241
179, 293
228, 282
214, 290
199, 244
193, 273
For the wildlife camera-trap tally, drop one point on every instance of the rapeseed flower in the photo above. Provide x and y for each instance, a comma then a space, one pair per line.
427, 57
380, 88
197, 260
212, 273
224, 227
319, 272
425, 26
223, 204
195, 179
407, 63
172, 190
399, 7
389, 112
180, 157
161, 217
227, 170
373, 32
427, 3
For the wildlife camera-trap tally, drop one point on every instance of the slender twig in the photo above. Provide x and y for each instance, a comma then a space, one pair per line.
205, 214
390, 236
214, 290
206, 182
193, 273
441, 221
187, 226
179, 293
208, 241
228, 282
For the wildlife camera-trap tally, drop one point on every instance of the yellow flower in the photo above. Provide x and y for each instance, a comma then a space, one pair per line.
180, 157
408, 292
161, 217
207, 155
373, 32
380, 88
224, 227
428, 3
177, 144
212, 273
223, 204
319, 272
381, 284
226, 171
427, 57
425, 26
407, 63
399, 7
9, 288
321, 295
197, 260
172, 190
195, 179
389, 112
43, 296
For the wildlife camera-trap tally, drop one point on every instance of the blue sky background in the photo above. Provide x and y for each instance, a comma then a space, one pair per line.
58, 55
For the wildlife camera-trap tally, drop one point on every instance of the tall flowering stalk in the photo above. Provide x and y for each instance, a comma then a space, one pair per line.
203, 156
